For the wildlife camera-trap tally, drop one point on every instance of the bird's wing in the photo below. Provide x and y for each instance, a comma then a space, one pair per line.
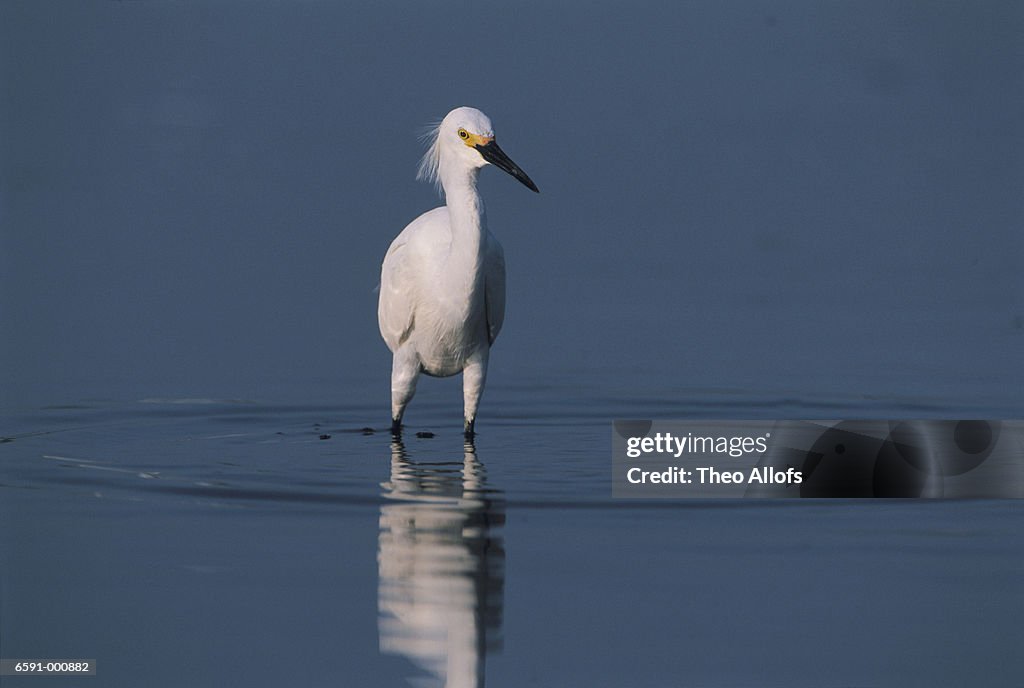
494, 288
399, 274
395, 306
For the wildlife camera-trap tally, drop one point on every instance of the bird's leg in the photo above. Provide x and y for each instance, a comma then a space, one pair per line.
405, 370
473, 376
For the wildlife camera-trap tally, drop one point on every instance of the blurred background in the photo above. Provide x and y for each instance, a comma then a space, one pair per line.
786, 198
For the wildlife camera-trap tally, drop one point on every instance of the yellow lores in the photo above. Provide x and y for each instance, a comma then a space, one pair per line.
474, 140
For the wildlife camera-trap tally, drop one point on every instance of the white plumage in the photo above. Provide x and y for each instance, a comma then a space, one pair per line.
442, 283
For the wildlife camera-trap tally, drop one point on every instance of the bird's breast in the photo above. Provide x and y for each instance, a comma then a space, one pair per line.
449, 329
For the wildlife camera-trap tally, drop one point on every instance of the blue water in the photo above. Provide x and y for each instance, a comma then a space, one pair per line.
208, 542
776, 211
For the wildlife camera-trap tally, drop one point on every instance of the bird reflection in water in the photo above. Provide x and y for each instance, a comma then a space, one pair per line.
441, 561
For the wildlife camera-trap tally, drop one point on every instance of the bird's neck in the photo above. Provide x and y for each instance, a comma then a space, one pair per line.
466, 212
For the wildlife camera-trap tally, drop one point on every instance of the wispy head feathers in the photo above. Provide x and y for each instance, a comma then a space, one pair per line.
431, 161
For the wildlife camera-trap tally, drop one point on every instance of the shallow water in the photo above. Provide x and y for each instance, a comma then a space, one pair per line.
792, 211
209, 542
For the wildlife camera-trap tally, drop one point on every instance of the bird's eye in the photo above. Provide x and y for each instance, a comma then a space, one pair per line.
463, 134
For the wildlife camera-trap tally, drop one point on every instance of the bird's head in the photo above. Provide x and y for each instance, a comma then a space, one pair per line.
465, 138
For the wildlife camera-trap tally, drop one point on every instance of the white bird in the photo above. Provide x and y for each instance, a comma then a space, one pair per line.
442, 283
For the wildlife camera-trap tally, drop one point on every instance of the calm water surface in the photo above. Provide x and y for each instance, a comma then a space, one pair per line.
206, 542
740, 202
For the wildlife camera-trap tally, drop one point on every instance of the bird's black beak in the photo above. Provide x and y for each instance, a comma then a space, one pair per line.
496, 156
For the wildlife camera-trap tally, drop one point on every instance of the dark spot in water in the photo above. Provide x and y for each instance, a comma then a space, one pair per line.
840, 449
357, 431
425, 435
4, 440
325, 437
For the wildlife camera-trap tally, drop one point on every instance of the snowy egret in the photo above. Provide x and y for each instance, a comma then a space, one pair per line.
442, 283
